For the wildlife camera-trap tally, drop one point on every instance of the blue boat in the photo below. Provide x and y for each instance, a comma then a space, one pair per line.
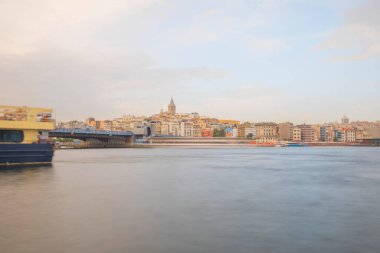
295, 144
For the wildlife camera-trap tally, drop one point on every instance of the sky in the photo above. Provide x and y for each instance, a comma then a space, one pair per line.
302, 61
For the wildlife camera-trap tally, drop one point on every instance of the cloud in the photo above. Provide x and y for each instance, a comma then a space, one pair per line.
27, 25
58, 54
78, 84
267, 45
359, 37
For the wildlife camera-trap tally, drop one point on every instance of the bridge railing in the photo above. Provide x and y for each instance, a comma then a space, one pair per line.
92, 132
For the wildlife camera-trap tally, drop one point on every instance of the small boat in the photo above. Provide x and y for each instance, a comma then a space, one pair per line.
24, 135
295, 144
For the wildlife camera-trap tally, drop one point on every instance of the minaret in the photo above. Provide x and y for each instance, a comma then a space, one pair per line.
171, 107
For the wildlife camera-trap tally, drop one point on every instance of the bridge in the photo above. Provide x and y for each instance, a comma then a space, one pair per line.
95, 138
371, 141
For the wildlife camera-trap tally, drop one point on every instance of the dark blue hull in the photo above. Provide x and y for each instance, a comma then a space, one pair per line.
296, 145
25, 153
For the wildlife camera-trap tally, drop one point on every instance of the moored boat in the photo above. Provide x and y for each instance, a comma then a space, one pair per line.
295, 144
24, 135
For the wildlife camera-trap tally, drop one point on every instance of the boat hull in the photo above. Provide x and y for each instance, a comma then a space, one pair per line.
296, 145
26, 154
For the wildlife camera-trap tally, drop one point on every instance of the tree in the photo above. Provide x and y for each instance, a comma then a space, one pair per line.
250, 135
219, 133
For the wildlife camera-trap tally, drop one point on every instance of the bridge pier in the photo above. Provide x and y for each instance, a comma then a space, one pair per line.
105, 143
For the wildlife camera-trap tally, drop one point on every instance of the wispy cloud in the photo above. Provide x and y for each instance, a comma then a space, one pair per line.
359, 37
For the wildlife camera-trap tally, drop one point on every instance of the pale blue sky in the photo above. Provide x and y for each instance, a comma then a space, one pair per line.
264, 60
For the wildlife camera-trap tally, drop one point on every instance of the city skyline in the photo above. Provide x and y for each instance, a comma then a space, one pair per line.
172, 110
170, 123
247, 60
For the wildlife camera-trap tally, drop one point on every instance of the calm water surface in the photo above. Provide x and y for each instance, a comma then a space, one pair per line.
194, 200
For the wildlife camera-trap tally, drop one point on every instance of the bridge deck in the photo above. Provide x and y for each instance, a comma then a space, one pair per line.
88, 133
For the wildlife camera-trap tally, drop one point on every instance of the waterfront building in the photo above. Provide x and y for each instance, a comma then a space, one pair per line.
250, 132
285, 131
155, 127
186, 129
207, 132
229, 132
165, 128
359, 134
329, 134
197, 131
137, 127
107, 125
316, 133
343, 136
174, 128
373, 132
104, 125
201, 123
337, 135
241, 131
351, 135
307, 133
234, 132
296, 134
118, 124
266, 132
322, 133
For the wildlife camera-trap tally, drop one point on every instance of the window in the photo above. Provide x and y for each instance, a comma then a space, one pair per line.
11, 136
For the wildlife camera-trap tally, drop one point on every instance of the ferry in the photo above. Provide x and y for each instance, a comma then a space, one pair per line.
24, 135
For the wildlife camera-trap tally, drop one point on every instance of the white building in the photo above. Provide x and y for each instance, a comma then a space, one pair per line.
186, 129
351, 135
250, 130
296, 134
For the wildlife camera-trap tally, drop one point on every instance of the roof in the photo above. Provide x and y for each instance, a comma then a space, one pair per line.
171, 102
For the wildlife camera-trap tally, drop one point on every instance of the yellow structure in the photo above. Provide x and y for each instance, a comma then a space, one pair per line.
29, 120
229, 122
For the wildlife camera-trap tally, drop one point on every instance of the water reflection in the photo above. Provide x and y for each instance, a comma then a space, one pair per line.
25, 174
21, 168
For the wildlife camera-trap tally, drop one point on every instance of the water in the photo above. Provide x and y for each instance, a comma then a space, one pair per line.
194, 200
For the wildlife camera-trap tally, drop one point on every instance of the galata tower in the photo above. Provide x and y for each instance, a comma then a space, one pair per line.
171, 107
